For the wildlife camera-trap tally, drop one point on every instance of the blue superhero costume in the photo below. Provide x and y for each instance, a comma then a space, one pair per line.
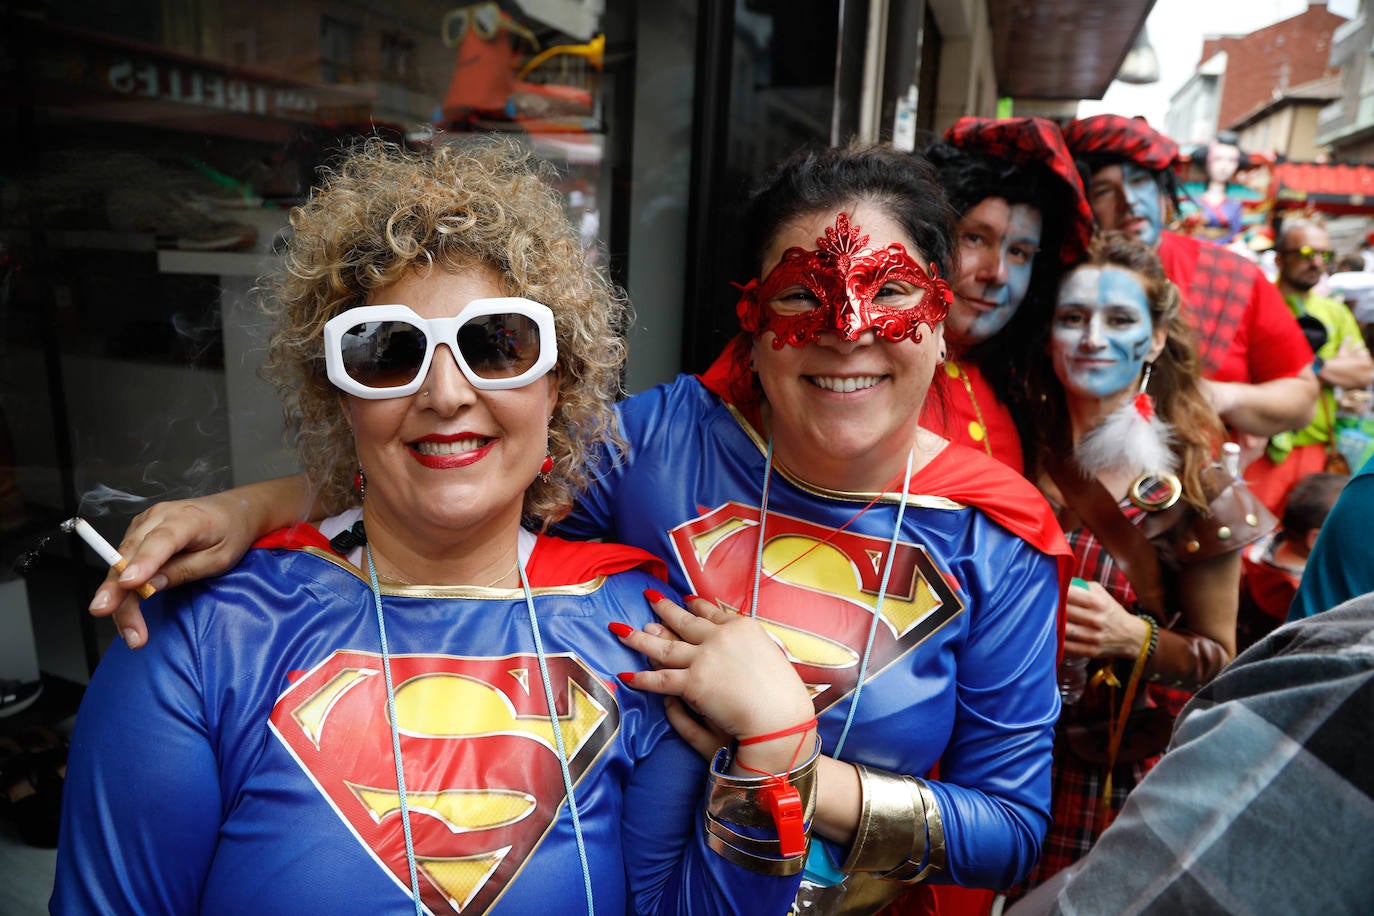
962, 671
242, 762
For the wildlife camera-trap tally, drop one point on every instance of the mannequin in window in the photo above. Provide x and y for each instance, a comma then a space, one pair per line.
1221, 213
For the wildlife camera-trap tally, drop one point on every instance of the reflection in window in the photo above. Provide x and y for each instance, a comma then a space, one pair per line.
397, 51
338, 40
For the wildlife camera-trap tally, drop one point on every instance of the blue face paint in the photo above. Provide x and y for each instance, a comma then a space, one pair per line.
1101, 333
1017, 250
1144, 202
997, 248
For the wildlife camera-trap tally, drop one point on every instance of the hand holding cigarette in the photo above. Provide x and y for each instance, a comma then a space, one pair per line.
103, 548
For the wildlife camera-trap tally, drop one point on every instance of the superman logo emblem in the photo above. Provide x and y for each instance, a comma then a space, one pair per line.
818, 592
481, 766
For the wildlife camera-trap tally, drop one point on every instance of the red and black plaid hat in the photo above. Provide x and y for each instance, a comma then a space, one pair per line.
1026, 141
1114, 135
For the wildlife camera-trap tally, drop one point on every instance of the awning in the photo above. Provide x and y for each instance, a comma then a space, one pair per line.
1328, 187
1061, 49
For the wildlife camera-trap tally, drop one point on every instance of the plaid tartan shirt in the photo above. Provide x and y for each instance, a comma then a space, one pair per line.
1245, 332
1264, 802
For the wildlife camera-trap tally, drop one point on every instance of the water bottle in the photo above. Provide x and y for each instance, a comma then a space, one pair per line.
1073, 678
1073, 670
1230, 458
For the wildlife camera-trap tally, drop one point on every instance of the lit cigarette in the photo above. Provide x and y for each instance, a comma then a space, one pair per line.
103, 548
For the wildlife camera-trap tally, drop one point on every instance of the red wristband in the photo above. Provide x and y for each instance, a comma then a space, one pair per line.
794, 730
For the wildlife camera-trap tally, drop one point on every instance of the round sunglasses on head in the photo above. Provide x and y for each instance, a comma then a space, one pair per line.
384, 351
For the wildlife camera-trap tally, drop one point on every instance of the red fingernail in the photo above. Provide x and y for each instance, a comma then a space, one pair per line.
626, 677
690, 597
653, 595
620, 629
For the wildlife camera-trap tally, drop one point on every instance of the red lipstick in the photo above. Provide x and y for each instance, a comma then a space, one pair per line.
456, 459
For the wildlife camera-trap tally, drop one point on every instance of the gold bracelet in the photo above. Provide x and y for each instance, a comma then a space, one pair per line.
900, 836
738, 803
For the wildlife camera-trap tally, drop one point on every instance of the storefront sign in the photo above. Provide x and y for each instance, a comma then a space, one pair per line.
154, 79
100, 66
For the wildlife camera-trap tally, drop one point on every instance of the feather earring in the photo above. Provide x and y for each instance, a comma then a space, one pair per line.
1131, 438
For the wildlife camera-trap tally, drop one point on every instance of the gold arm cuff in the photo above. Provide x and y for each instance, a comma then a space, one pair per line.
900, 835
890, 819
759, 856
735, 799
911, 872
736, 802
762, 865
754, 846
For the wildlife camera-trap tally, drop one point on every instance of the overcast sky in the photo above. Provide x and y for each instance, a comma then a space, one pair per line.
1176, 29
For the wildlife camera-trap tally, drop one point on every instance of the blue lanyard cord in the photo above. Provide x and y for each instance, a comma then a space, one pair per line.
553, 719
395, 733
558, 741
763, 517
877, 608
882, 588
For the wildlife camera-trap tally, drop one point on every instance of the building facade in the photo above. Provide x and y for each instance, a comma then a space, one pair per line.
1346, 126
1288, 125
1238, 75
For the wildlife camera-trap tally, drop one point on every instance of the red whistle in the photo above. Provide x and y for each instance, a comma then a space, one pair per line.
785, 805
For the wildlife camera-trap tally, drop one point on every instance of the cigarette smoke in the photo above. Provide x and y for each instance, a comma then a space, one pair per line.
97, 501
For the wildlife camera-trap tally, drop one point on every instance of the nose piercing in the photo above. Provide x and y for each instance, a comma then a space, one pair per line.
425, 393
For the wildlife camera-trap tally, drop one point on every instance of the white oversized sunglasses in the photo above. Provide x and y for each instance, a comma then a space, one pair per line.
384, 351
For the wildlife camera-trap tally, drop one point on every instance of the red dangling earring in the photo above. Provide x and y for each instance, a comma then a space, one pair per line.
360, 484
545, 468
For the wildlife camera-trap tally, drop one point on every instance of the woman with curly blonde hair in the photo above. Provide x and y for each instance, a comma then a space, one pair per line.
413, 704
390, 215
1127, 457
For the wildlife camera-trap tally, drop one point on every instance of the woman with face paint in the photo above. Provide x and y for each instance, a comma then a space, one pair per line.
1126, 457
914, 585
1022, 215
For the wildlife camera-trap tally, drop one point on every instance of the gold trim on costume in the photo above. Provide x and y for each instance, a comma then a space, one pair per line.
952, 368
399, 590
1136, 492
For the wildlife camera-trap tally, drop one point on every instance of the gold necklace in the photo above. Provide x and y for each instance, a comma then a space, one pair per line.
503, 575
953, 368
400, 580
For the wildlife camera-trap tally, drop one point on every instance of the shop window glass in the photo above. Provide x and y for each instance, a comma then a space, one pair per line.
162, 150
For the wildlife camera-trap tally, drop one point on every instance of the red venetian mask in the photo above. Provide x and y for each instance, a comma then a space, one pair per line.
844, 276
